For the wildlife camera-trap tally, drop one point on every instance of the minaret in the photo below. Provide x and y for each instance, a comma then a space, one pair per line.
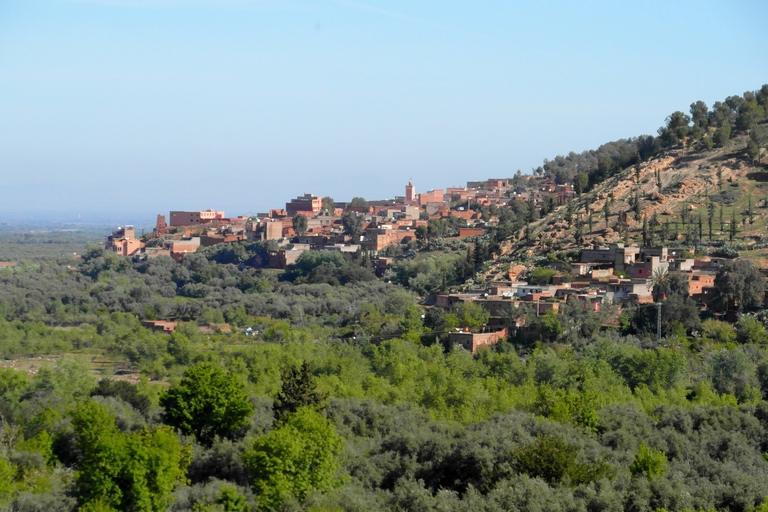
410, 192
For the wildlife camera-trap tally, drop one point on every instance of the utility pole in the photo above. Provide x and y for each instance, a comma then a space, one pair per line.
658, 322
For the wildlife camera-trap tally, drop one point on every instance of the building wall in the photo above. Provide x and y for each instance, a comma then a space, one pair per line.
179, 218
473, 341
127, 246
304, 204
465, 232
273, 230
432, 196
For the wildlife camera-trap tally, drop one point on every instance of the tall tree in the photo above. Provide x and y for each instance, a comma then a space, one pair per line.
580, 182
299, 456
298, 390
134, 471
209, 401
699, 114
328, 204
300, 224
738, 284
353, 225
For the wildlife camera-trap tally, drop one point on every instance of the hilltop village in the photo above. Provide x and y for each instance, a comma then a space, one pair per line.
611, 277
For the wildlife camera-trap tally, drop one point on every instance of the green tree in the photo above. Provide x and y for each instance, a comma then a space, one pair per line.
580, 183
541, 275
738, 284
649, 462
699, 114
328, 204
7, 474
300, 224
298, 390
358, 202
353, 224
134, 472
750, 330
554, 461
722, 135
299, 456
208, 402
467, 314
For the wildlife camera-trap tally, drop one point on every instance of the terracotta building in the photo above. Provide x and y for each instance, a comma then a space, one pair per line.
472, 341
307, 205
123, 241
179, 218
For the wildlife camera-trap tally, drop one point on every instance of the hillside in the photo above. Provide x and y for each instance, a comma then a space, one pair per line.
690, 181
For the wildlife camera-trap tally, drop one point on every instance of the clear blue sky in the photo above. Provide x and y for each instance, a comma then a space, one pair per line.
137, 107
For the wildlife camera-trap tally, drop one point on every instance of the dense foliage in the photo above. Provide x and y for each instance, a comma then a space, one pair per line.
344, 397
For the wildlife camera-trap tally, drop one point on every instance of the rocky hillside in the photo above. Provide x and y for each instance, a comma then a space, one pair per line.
678, 193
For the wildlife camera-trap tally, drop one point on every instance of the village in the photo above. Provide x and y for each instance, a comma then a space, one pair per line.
378, 224
615, 275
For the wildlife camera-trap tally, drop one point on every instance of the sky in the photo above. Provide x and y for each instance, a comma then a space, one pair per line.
129, 108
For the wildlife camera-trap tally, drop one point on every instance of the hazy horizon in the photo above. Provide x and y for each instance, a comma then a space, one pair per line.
123, 109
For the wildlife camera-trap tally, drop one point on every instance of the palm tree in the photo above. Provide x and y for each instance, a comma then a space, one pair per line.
659, 282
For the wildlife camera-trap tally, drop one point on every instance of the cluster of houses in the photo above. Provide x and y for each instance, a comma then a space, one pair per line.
383, 222
618, 274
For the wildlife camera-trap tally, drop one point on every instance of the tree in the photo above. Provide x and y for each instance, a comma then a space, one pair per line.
676, 129
298, 390
722, 135
125, 471
467, 314
657, 282
699, 114
649, 462
299, 456
541, 275
636, 204
421, 232
300, 224
353, 225
358, 202
580, 183
554, 461
738, 284
578, 234
328, 204
208, 402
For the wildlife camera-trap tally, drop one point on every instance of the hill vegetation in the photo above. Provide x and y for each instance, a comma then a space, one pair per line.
702, 181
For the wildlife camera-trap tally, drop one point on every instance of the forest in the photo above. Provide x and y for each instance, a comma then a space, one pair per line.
328, 388
342, 395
